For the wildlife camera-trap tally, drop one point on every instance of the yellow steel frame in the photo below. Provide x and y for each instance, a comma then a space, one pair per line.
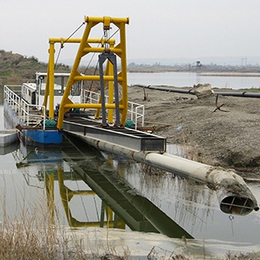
84, 49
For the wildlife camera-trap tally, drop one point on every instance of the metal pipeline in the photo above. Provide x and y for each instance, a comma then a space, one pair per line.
233, 193
191, 91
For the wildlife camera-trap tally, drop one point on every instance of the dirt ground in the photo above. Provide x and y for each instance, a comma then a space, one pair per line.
227, 137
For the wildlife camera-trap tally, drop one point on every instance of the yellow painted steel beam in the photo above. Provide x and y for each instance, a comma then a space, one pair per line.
96, 78
73, 73
51, 82
106, 18
123, 73
85, 48
101, 49
78, 40
49, 89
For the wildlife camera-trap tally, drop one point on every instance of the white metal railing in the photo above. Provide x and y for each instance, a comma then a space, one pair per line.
22, 108
135, 111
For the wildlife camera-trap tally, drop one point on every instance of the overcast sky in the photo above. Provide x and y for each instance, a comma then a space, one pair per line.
157, 28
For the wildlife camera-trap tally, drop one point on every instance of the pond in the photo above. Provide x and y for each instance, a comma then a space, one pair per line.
93, 189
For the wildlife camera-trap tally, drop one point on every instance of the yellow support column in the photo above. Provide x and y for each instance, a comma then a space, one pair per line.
123, 73
49, 90
51, 81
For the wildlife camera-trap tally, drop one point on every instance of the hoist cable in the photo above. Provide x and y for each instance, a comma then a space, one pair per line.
74, 32
92, 59
89, 63
94, 53
61, 46
113, 34
96, 67
56, 62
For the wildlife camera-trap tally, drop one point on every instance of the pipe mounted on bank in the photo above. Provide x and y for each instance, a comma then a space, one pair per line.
191, 91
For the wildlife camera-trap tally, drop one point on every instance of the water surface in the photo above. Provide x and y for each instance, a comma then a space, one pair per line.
188, 79
89, 189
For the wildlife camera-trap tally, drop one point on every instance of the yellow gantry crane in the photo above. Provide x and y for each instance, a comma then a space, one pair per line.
109, 52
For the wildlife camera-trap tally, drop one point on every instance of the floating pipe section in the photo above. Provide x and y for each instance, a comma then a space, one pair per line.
191, 91
233, 193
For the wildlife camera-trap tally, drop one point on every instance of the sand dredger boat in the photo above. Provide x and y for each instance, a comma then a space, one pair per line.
108, 132
38, 109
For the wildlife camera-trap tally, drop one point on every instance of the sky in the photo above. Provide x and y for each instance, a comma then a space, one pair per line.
158, 29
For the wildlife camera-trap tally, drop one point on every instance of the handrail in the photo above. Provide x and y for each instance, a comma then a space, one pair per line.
135, 110
22, 108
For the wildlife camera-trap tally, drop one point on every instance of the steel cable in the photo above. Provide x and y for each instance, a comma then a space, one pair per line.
62, 44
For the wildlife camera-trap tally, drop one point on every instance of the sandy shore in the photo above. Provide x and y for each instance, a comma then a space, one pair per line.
228, 136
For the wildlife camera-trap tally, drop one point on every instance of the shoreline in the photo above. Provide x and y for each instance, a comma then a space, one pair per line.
224, 136
202, 73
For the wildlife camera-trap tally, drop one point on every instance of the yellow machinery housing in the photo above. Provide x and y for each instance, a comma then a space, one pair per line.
108, 53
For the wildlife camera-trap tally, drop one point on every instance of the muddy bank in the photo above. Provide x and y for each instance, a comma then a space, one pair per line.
222, 133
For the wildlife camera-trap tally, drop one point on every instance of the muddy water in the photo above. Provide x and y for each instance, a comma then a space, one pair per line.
80, 187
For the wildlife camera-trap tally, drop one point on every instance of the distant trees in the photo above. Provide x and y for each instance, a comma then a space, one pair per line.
194, 67
16, 68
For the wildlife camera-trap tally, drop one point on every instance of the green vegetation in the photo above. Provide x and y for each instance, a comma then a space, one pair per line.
16, 68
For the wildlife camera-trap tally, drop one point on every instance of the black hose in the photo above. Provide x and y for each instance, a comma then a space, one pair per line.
191, 91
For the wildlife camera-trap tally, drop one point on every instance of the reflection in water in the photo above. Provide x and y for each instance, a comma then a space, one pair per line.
190, 204
87, 189
114, 201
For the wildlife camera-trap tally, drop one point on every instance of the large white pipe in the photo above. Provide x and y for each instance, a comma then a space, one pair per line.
234, 195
